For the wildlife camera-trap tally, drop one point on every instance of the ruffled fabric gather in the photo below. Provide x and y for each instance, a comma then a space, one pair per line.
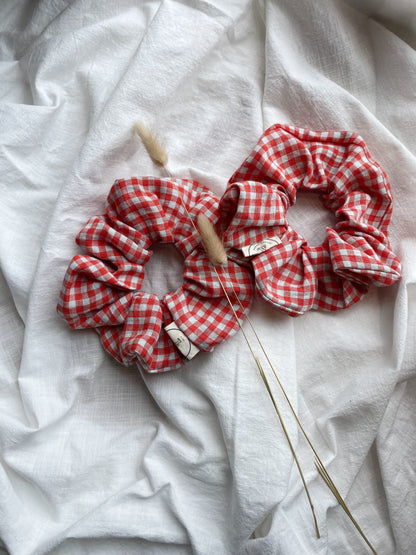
291, 275
102, 288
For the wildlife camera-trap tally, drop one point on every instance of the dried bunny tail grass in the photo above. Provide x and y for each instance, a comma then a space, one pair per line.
218, 257
212, 243
152, 145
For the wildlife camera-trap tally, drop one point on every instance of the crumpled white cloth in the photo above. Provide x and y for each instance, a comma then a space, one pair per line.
96, 458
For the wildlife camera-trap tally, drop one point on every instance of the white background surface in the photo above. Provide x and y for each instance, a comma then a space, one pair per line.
97, 458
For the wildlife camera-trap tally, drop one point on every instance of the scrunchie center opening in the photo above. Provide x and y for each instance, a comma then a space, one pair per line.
310, 218
164, 270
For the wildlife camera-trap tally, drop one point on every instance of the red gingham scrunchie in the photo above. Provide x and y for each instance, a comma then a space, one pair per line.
289, 273
102, 289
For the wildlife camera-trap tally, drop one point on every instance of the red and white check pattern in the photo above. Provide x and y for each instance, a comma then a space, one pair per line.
102, 288
292, 275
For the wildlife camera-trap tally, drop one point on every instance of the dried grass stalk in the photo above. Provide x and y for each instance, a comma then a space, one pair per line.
318, 462
292, 449
328, 481
267, 385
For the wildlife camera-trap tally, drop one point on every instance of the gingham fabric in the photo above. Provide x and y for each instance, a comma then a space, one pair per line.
292, 275
102, 288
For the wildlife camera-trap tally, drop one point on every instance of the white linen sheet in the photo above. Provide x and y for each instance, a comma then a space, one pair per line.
97, 458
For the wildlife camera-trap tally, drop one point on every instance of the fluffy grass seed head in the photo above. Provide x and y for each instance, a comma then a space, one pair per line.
151, 144
212, 243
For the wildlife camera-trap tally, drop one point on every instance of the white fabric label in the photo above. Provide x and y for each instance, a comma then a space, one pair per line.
187, 348
261, 246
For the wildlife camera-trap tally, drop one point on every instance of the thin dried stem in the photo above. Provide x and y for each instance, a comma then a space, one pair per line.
266, 383
318, 462
328, 481
276, 376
